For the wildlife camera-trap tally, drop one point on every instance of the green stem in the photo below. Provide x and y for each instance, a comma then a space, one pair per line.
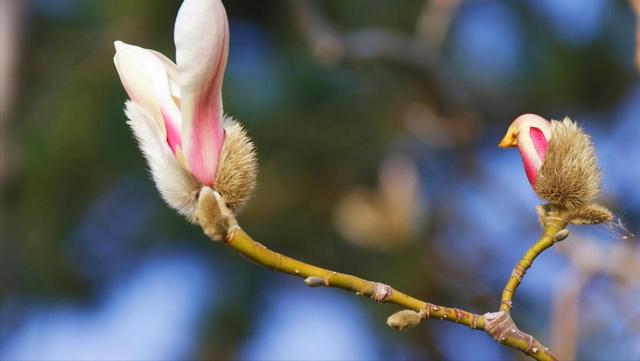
552, 227
245, 245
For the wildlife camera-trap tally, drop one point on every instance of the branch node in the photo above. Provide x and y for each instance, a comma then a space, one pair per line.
497, 323
501, 327
381, 292
518, 272
529, 344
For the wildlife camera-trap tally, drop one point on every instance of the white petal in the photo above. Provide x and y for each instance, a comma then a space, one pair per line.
202, 41
176, 185
172, 73
150, 80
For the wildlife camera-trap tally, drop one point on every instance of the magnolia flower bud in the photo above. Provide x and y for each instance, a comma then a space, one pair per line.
404, 319
176, 112
559, 160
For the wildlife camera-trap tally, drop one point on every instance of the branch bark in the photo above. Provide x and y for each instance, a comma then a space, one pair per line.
331, 47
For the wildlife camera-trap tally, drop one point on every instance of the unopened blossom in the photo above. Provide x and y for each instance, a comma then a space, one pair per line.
176, 111
559, 160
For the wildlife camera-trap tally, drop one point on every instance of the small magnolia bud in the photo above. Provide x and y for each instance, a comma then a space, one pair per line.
561, 235
212, 213
559, 160
404, 319
313, 281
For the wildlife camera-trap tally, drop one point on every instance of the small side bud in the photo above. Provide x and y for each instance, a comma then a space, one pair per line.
404, 319
213, 215
561, 235
313, 281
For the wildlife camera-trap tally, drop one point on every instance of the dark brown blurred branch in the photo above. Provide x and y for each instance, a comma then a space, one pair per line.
12, 17
369, 44
635, 5
435, 19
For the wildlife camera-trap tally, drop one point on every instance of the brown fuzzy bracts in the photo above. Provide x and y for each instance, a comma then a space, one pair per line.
237, 170
570, 175
590, 214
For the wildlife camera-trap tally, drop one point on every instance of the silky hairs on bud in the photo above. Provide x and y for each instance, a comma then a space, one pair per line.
570, 176
237, 168
176, 112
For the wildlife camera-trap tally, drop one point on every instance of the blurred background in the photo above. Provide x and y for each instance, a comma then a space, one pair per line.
376, 124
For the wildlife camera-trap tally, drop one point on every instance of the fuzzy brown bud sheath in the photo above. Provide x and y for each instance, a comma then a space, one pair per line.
590, 214
238, 166
569, 176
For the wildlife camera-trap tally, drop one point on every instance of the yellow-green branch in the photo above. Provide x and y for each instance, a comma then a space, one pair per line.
317, 276
219, 223
553, 226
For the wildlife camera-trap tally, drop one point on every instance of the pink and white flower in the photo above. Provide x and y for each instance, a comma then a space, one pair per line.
175, 109
531, 134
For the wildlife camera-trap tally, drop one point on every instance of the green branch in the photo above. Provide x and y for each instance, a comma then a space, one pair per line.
553, 232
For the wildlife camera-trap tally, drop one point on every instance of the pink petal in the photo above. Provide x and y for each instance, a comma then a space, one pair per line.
532, 164
539, 141
202, 41
534, 133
